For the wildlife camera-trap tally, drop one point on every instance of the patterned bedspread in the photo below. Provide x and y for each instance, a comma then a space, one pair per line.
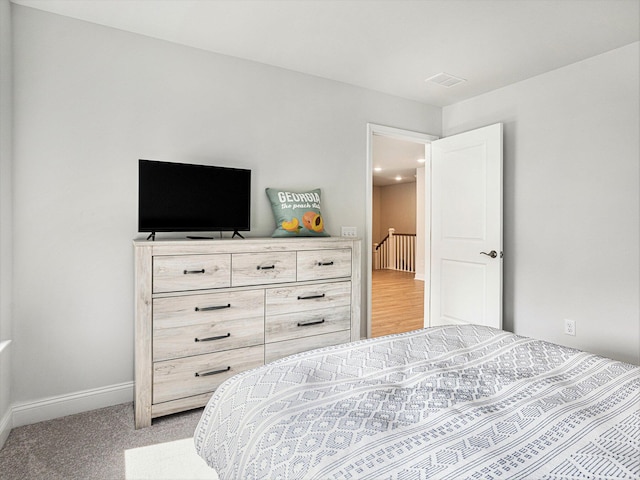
450, 402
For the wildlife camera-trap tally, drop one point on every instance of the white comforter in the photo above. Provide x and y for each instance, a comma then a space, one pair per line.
446, 402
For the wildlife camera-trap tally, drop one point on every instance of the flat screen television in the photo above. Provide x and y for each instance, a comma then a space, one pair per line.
181, 197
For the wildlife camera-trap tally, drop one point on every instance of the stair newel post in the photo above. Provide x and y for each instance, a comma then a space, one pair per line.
391, 251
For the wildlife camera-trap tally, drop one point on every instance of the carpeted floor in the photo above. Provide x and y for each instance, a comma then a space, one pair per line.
88, 445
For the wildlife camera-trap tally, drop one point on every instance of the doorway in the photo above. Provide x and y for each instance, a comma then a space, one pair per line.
397, 292
463, 210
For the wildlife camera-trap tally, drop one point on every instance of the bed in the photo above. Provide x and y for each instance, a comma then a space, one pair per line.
454, 402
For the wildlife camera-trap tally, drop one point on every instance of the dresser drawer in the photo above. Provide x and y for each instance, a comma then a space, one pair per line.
303, 324
190, 376
323, 264
191, 272
263, 268
276, 350
307, 297
196, 324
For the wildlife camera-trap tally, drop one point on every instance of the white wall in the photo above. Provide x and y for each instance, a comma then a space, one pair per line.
89, 102
6, 159
571, 200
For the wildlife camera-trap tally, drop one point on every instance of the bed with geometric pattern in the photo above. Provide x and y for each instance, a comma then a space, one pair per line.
454, 402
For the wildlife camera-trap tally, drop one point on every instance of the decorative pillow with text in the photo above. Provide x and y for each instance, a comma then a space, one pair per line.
296, 213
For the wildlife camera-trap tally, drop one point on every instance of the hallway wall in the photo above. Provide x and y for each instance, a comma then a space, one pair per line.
396, 207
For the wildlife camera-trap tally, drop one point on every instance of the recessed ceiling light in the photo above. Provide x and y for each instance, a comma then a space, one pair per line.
421, 160
445, 79
398, 178
378, 169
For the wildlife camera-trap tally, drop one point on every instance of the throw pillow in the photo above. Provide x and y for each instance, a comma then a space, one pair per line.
296, 213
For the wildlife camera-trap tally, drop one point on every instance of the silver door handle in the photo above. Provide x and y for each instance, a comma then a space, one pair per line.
492, 254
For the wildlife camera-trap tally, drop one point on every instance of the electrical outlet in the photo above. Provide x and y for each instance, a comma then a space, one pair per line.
349, 232
569, 327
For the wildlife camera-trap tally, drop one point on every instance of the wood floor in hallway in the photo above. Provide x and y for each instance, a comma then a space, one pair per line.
396, 302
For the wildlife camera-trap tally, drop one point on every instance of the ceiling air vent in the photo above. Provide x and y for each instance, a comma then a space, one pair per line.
445, 79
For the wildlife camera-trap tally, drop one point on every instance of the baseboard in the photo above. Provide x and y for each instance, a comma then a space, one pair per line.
419, 276
63, 405
5, 427
6, 421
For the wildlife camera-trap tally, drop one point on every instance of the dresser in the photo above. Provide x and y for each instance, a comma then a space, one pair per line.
208, 309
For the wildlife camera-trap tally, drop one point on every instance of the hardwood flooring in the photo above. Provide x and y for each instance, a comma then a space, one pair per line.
396, 302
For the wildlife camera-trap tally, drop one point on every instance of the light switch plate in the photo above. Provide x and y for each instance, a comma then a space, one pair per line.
349, 232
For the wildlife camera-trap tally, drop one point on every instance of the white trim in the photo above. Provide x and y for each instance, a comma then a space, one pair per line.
427, 238
5, 427
6, 420
400, 134
63, 405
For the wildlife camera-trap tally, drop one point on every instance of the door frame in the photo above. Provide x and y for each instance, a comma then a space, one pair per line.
399, 134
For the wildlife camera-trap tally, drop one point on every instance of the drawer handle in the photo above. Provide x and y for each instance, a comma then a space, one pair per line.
311, 297
209, 339
188, 272
310, 323
212, 372
215, 307
324, 264
270, 267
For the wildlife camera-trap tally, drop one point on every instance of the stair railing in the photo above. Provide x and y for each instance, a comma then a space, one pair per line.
397, 251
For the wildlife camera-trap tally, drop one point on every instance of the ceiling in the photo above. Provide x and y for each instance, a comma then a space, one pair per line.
390, 46
396, 159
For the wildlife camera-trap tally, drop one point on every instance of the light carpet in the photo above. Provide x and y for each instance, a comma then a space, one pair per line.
104, 445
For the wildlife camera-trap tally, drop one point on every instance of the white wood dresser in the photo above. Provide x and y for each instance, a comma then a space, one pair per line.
208, 309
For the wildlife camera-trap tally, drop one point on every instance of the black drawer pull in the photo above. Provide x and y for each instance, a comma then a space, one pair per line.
188, 272
324, 264
209, 339
215, 307
310, 323
270, 267
311, 297
212, 372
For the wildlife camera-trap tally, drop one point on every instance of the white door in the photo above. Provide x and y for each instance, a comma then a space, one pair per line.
466, 228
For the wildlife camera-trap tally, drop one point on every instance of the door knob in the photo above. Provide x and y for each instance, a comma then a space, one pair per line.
492, 254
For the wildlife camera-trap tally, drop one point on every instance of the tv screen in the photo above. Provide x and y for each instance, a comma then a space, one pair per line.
180, 197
